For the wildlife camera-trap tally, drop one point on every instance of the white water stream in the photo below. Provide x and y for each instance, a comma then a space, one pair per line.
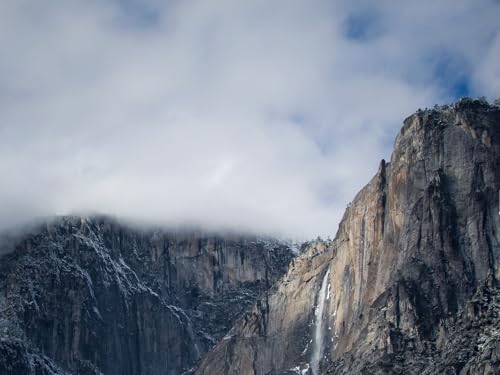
318, 329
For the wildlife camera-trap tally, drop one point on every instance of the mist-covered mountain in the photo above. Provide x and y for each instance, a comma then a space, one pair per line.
409, 285
92, 296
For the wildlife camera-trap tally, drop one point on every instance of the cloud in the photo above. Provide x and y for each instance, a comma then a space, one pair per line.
261, 116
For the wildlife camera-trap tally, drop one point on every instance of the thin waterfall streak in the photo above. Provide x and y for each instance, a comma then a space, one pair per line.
318, 329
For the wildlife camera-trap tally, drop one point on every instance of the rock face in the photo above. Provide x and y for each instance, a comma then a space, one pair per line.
91, 296
410, 284
413, 273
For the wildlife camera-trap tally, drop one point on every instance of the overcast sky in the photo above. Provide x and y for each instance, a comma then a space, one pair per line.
261, 115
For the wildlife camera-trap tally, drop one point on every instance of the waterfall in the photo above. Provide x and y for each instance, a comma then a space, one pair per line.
318, 329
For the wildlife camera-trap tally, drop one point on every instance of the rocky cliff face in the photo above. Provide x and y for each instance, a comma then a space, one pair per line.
412, 276
409, 285
91, 296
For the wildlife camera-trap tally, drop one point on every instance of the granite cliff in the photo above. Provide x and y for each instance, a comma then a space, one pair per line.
409, 285
92, 296
411, 277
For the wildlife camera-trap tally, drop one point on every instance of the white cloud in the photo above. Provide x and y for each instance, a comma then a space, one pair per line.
262, 116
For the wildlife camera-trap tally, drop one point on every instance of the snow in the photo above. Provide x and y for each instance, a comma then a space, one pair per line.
301, 371
307, 347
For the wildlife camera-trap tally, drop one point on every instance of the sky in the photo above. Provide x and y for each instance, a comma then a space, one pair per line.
260, 116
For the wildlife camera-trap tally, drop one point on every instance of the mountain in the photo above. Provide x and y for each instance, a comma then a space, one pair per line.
410, 283
93, 296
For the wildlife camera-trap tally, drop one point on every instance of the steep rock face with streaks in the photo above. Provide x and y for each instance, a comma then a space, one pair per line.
413, 272
91, 296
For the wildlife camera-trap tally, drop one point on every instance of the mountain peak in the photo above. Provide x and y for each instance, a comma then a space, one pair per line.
417, 245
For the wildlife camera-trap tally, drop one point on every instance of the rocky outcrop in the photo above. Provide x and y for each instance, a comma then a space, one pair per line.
91, 296
413, 272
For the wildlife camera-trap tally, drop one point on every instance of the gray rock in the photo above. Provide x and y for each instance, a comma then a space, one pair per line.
92, 296
414, 268
412, 279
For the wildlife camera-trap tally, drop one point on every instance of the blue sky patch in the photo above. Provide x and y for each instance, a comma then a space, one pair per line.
450, 71
461, 88
362, 26
136, 13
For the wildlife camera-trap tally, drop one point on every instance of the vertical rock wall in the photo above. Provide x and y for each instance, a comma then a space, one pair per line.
90, 296
417, 246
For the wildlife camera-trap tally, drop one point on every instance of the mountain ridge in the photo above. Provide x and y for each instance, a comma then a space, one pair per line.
408, 285
415, 248
86, 294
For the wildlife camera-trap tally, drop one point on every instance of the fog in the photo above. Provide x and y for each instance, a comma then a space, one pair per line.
255, 116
